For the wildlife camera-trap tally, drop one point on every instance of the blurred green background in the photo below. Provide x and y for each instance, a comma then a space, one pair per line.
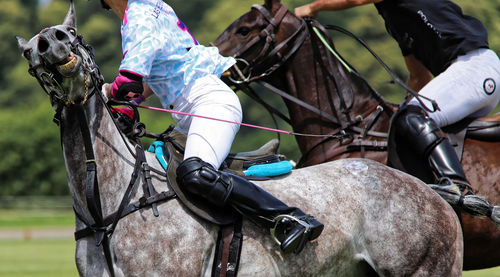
34, 199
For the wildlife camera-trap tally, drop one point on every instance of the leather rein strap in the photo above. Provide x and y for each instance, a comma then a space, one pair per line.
299, 35
103, 228
270, 58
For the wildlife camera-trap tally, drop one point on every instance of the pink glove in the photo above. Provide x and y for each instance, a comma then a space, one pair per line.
127, 85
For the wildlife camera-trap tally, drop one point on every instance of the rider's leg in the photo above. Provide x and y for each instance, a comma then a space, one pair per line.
428, 141
293, 227
467, 88
207, 146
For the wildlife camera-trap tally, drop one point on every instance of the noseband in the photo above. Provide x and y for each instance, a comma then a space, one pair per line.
50, 79
268, 57
98, 225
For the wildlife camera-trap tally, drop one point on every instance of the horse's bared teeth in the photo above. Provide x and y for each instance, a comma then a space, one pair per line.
70, 63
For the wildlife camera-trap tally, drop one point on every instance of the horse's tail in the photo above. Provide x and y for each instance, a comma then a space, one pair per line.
470, 204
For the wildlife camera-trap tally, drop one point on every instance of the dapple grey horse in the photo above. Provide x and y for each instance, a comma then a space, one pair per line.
378, 221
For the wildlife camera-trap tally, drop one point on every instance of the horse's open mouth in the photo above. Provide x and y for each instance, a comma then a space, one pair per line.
69, 65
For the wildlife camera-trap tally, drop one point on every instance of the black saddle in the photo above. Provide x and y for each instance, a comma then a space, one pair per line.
482, 129
173, 149
485, 129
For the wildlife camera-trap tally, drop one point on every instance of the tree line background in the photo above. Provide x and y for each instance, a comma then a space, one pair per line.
31, 161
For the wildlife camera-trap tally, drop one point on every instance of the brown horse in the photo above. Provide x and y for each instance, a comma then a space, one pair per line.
326, 96
372, 213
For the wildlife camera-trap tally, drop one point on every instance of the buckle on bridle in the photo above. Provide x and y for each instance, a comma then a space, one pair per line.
239, 72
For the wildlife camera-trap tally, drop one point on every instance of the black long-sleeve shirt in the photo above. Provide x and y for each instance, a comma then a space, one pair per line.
436, 32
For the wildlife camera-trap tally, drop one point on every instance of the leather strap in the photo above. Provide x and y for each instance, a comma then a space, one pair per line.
227, 233
228, 250
103, 228
92, 190
266, 33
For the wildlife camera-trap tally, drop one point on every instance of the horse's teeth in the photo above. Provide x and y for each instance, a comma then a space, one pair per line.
69, 65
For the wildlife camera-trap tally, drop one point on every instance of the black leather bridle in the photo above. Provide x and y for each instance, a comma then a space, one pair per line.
271, 56
97, 224
274, 58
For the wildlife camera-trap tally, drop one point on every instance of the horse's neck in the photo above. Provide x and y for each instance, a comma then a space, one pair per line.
315, 76
114, 161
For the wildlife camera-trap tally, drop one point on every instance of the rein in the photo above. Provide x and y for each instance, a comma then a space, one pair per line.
274, 58
97, 225
301, 33
395, 78
103, 228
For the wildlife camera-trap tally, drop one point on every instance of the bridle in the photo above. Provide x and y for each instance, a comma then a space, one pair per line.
97, 224
271, 56
271, 59
50, 79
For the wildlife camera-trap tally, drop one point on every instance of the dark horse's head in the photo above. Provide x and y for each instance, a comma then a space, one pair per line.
262, 38
61, 62
324, 94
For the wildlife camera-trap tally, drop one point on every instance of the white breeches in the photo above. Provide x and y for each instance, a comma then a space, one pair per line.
468, 88
207, 139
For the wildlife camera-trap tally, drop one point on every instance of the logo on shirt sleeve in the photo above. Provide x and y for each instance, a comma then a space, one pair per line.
489, 86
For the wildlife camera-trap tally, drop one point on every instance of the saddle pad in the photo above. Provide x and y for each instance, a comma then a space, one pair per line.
269, 170
264, 167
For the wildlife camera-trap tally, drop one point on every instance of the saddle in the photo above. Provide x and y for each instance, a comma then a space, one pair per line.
485, 129
261, 164
169, 151
244, 163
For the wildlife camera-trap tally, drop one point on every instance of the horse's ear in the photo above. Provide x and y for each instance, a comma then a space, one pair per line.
70, 18
269, 3
21, 43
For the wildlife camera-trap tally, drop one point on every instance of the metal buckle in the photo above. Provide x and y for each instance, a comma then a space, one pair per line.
244, 79
279, 218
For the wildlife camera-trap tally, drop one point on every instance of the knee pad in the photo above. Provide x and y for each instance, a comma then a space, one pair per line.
412, 137
200, 178
413, 127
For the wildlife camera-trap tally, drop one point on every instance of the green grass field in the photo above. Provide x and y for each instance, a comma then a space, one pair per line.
55, 257
36, 218
37, 258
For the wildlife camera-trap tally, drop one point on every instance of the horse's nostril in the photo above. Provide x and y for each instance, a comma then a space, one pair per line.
61, 35
43, 45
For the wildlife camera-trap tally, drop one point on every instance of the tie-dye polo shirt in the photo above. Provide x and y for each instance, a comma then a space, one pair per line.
158, 46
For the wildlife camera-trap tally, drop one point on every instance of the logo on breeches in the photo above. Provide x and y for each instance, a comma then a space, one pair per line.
489, 86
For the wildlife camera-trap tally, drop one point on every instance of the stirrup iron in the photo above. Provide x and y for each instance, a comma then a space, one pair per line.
277, 220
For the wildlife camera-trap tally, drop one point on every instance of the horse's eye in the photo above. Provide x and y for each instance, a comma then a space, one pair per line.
243, 31
72, 31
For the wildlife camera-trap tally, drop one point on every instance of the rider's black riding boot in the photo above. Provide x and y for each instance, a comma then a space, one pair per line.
424, 135
291, 227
